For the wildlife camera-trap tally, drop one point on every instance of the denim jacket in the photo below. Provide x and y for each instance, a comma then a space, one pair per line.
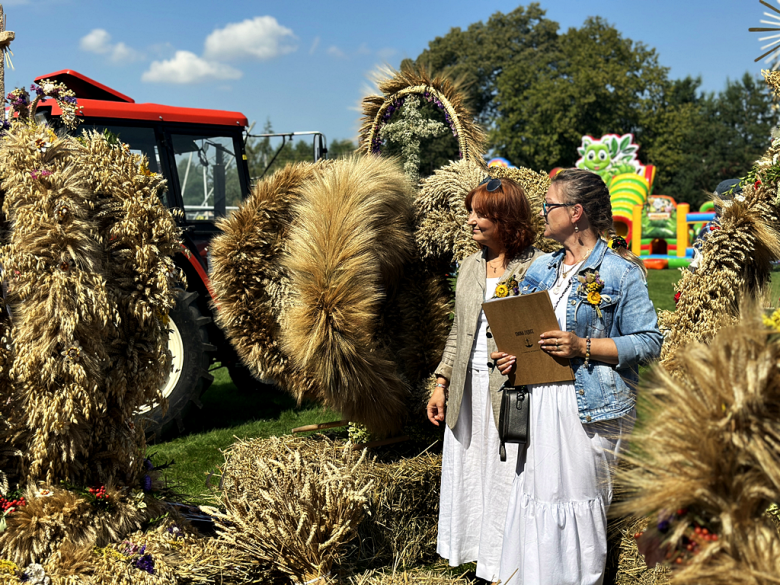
605, 391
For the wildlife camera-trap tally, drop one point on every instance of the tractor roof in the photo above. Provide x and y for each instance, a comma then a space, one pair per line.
100, 101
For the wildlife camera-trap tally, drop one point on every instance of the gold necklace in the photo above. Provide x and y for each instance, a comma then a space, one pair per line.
564, 274
493, 268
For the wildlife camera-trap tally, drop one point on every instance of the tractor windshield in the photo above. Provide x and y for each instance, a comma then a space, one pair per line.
208, 175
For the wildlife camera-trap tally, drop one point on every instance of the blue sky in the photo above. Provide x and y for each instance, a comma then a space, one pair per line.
306, 64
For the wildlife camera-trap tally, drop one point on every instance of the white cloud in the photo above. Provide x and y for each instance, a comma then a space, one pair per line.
98, 41
314, 45
335, 51
260, 38
187, 67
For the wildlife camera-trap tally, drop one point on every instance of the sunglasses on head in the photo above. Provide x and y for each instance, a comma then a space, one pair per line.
492, 184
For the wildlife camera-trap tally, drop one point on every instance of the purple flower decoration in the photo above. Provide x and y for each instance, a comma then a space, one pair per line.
147, 483
40, 173
144, 562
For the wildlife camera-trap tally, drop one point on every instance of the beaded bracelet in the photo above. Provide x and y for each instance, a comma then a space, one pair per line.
587, 352
440, 385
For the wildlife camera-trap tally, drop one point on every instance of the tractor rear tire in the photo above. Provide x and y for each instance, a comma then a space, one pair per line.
188, 341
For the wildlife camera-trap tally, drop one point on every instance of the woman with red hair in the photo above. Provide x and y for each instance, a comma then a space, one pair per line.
475, 484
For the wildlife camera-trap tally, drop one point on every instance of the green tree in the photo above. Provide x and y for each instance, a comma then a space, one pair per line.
341, 148
592, 81
479, 55
261, 152
721, 137
538, 91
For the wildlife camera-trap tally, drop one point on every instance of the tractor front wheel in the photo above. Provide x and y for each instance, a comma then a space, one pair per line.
189, 345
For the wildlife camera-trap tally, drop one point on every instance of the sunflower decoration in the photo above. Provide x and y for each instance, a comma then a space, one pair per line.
509, 287
591, 286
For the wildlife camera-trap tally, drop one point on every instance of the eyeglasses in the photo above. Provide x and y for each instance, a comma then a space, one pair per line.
548, 207
492, 184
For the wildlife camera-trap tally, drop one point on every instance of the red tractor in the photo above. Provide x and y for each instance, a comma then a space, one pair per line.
201, 154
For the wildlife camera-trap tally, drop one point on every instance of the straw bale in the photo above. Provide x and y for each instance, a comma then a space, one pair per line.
632, 569
417, 80
440, 213
418, 577
404, 509
709, 444
292, 508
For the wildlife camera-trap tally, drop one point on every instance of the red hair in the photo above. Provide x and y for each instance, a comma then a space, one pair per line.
509, 209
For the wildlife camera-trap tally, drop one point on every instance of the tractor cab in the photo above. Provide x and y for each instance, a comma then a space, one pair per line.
199, 152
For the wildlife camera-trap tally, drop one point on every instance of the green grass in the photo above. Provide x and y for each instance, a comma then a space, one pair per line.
660, 285
228, 413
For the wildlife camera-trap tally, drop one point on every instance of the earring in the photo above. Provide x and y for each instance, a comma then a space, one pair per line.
576, 228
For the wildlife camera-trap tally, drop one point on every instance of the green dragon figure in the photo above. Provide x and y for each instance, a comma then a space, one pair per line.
611, 155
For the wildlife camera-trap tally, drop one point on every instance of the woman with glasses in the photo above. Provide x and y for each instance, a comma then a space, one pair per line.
475, 484
556, 523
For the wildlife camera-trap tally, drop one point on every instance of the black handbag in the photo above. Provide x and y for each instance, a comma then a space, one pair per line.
513, 417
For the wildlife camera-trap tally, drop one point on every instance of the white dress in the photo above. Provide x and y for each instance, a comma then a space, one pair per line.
556, 525
475, 484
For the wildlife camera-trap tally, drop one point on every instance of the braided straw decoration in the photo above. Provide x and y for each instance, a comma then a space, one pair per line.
395, 85
440, 214
89, 279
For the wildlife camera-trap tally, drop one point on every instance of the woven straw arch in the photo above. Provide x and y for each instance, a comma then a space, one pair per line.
395, 85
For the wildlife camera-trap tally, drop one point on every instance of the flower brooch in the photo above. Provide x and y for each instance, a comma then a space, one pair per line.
591, 285
507, 288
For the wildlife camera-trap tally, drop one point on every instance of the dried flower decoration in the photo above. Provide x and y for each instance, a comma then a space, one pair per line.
591, 286
67, 264
41, 144
61, 211
145, 169
40, 173
773, 321
676, 537
19, 100
509, 287
73, 353
65, 98
35, 574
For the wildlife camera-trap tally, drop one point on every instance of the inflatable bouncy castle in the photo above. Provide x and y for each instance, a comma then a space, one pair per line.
655, 227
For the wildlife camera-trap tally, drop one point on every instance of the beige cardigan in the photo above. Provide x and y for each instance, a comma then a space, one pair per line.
469, 296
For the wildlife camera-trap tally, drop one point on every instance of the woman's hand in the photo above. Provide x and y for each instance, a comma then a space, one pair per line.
563, 344
437, 404
504, 362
